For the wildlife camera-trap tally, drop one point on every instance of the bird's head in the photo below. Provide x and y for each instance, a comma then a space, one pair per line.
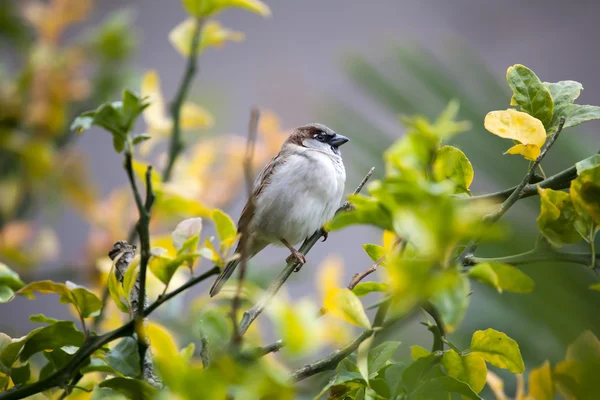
318, 137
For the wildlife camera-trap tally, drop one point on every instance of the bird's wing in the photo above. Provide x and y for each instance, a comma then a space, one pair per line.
262, 181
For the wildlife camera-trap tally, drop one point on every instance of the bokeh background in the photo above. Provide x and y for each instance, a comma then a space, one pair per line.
354, 66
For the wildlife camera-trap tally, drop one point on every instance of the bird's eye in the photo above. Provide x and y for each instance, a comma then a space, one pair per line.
321, 137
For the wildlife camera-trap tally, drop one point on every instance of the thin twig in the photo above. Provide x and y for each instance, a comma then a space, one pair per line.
515, 195
251, 314
332, 360
176, 145
362, 275
245, 239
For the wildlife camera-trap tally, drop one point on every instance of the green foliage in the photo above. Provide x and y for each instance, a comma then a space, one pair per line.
207, 8
502, 277
9, 283
117, 118
452, 301
364, 288
564, 94
451, 163
124, 357
558, 221
529, 93
468, 368
85, 302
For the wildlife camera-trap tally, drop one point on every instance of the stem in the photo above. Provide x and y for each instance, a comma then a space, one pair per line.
245, 239
515, 195
253, 313
176, 145
532, 257
593, 245
332, 360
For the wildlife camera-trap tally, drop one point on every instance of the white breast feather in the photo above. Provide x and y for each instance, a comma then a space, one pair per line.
302, 195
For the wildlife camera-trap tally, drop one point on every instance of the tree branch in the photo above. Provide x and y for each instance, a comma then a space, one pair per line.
245, 239
251, 314
176, 145
332, 360
515, 195
93, 343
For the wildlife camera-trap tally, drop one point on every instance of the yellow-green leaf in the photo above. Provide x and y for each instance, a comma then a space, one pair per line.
519, 126
541, 386
530, 93
226, 230
417, 352
296, 325
559, 221
595, 286
585, 193
86, 302
564, 94
206, 8
451, 163
503, 277
117, 293
9, 283
130, 277
498, 349
344, 304
186, 230
213, 34
364, 288
452, 302
374, 251
469, 368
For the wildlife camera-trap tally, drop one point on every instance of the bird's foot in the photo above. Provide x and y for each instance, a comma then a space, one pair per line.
325, 234
296, 256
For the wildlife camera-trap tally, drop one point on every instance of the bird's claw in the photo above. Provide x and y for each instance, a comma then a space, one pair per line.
298, 257
325, 235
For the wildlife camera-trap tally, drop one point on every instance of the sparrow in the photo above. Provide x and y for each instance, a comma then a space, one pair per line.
293, 196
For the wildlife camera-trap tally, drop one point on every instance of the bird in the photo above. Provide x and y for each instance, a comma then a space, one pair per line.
294, 195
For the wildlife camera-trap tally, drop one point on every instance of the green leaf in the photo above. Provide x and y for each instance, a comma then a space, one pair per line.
541, 386
164, 267
452, 302
498, 349
51, 337
188, 229
142, 137
381, 355
585, 193
226, 230
132, 108
364, 288
107, 394
469, 368
41, 318
338, 381
564, 94
374, 251
452, 164
595, 286
131, 388
362, 358
530, 93
124, 357
588, 163
9, 283
417, 352
21, 374
392, 375
502, 277
366, 211
83, 122
444, 385
86, 302
419, 371
559, 220
207, 8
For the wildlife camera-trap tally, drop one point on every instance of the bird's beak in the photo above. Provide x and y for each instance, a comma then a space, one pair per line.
338, 140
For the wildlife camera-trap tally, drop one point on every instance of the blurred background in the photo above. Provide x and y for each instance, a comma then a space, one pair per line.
354, 66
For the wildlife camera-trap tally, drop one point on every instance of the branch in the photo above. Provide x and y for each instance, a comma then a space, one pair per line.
245, 239
515, 195
332, 360
251, 314
535, 256
92, 344
176, 145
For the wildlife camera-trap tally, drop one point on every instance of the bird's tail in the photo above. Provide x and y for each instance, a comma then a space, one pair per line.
223, 277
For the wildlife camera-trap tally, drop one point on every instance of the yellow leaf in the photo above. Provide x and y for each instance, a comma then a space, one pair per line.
344, 304
213, 35
195, 117
541, 386
161, 340
529, 151
519, 126
155, 116
496, 384
329, 276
